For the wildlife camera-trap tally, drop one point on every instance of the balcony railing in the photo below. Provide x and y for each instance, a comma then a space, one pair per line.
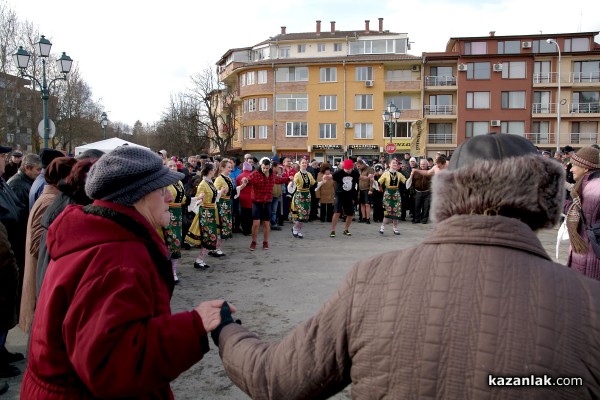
441, 138
584, 108
545, 77
584, 138
440, 110
543, 108
440, 81
579, 77
540, 138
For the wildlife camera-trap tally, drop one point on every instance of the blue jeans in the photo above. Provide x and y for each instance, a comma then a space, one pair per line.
274, 210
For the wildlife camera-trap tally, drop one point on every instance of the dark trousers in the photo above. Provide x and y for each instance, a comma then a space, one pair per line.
326, 212
377, 199
314, 205
246, 221
422, 203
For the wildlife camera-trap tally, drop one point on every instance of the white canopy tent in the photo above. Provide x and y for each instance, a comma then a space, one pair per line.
106, 145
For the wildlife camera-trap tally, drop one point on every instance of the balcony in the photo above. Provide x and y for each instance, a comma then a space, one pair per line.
440, 110
584, 108
543, 108
541, 138
440, 81
545, 77
584, 138
585, 77
441, 138
402, 85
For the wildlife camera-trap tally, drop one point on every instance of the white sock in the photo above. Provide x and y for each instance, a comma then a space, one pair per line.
382, 227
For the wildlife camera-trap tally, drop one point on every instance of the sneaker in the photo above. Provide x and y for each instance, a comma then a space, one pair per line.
381, 230
294, 233
396, 232
265, 245
299, 235
332, 234
252, 246
176, 279
347, 233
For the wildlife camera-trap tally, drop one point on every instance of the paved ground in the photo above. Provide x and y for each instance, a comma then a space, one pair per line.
273, 290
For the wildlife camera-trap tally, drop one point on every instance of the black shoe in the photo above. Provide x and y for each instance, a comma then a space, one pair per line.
3, 388
198, 265
9, 371
275, 228
424, 221
416, 222
9, 358
368, 221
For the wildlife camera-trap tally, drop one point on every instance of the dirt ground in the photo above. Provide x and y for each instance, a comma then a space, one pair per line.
274, 290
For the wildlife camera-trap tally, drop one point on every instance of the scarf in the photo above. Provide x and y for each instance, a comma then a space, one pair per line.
578, 244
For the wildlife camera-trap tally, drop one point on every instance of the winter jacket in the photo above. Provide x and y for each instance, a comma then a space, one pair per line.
588, 263
9, 279
478, 298
21, 185
103, 325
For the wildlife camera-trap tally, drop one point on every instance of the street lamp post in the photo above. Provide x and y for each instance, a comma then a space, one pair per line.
104, 123
390, 116
21, 58
558, 103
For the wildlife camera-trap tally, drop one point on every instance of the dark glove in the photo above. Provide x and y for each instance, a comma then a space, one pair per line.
226, 319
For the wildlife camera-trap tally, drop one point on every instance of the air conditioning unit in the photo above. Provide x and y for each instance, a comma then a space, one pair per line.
526, 45
416, 68
348, 125
369, 83
497, 67
495, 122
462, 67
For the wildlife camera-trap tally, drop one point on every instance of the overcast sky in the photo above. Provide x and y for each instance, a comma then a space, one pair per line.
135, 54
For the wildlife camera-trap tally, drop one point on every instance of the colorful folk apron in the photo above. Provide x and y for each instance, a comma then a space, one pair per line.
173, 231
301, 201
204, 230
391, 203
224, 207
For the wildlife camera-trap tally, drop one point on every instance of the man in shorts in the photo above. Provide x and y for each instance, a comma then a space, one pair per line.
346, 184
365, 190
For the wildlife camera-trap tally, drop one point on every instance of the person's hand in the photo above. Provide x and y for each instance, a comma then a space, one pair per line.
210, 312
224, 190
201, 197
226, 319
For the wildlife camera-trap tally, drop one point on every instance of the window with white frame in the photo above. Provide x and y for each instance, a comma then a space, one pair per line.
250, 78
398, 75
263, 104
473, 128
301, 48
475, 48
478, 100
284, 52
328, 102
514, 99
327, 131
328, 74
514, 127
249, 132
399, 129
364, 73
478, 70
244, 106
291, 74
242, 79
513, 70
402, 102
292, 102
509, 47
262, 76
296, 129
337, 47
321, 47
251, 105
577, 44
262, 131
363, 102
363, 131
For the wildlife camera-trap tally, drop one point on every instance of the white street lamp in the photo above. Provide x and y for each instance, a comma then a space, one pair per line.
559, 99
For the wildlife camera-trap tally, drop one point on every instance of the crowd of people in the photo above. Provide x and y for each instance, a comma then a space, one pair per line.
96, 302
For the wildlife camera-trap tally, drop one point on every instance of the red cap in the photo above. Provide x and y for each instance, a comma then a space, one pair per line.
348, 164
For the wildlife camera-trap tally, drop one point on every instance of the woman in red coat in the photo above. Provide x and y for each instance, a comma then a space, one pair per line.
103, 325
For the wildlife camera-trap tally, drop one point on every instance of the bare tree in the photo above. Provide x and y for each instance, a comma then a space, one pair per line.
216, 105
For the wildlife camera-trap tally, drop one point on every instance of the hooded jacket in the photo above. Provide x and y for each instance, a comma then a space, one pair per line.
478, 299
103, 325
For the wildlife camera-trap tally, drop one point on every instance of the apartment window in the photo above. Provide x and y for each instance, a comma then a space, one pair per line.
363, 102
296, 129
513, 70
242, 79
262, 76
440, 133
402, 129
584, 127
301, 48
541, 102
476, 48
402, 102
328, 102
250, 78
478, 70
513, 99
586, 71
541, 46
541, 72
284, 52
363, 131
478, 100
540, 132
249, 132
320, 47
328, 74
441, 76
577, 44
586, 102
251, 105
244, 106
476, 128
292, 102
509, 47
262, 131
327, 131
398, 75
364, 73
337, 47
514, 127
291, 74
263, 104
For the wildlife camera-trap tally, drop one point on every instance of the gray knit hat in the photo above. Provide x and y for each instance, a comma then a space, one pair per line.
127, 174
